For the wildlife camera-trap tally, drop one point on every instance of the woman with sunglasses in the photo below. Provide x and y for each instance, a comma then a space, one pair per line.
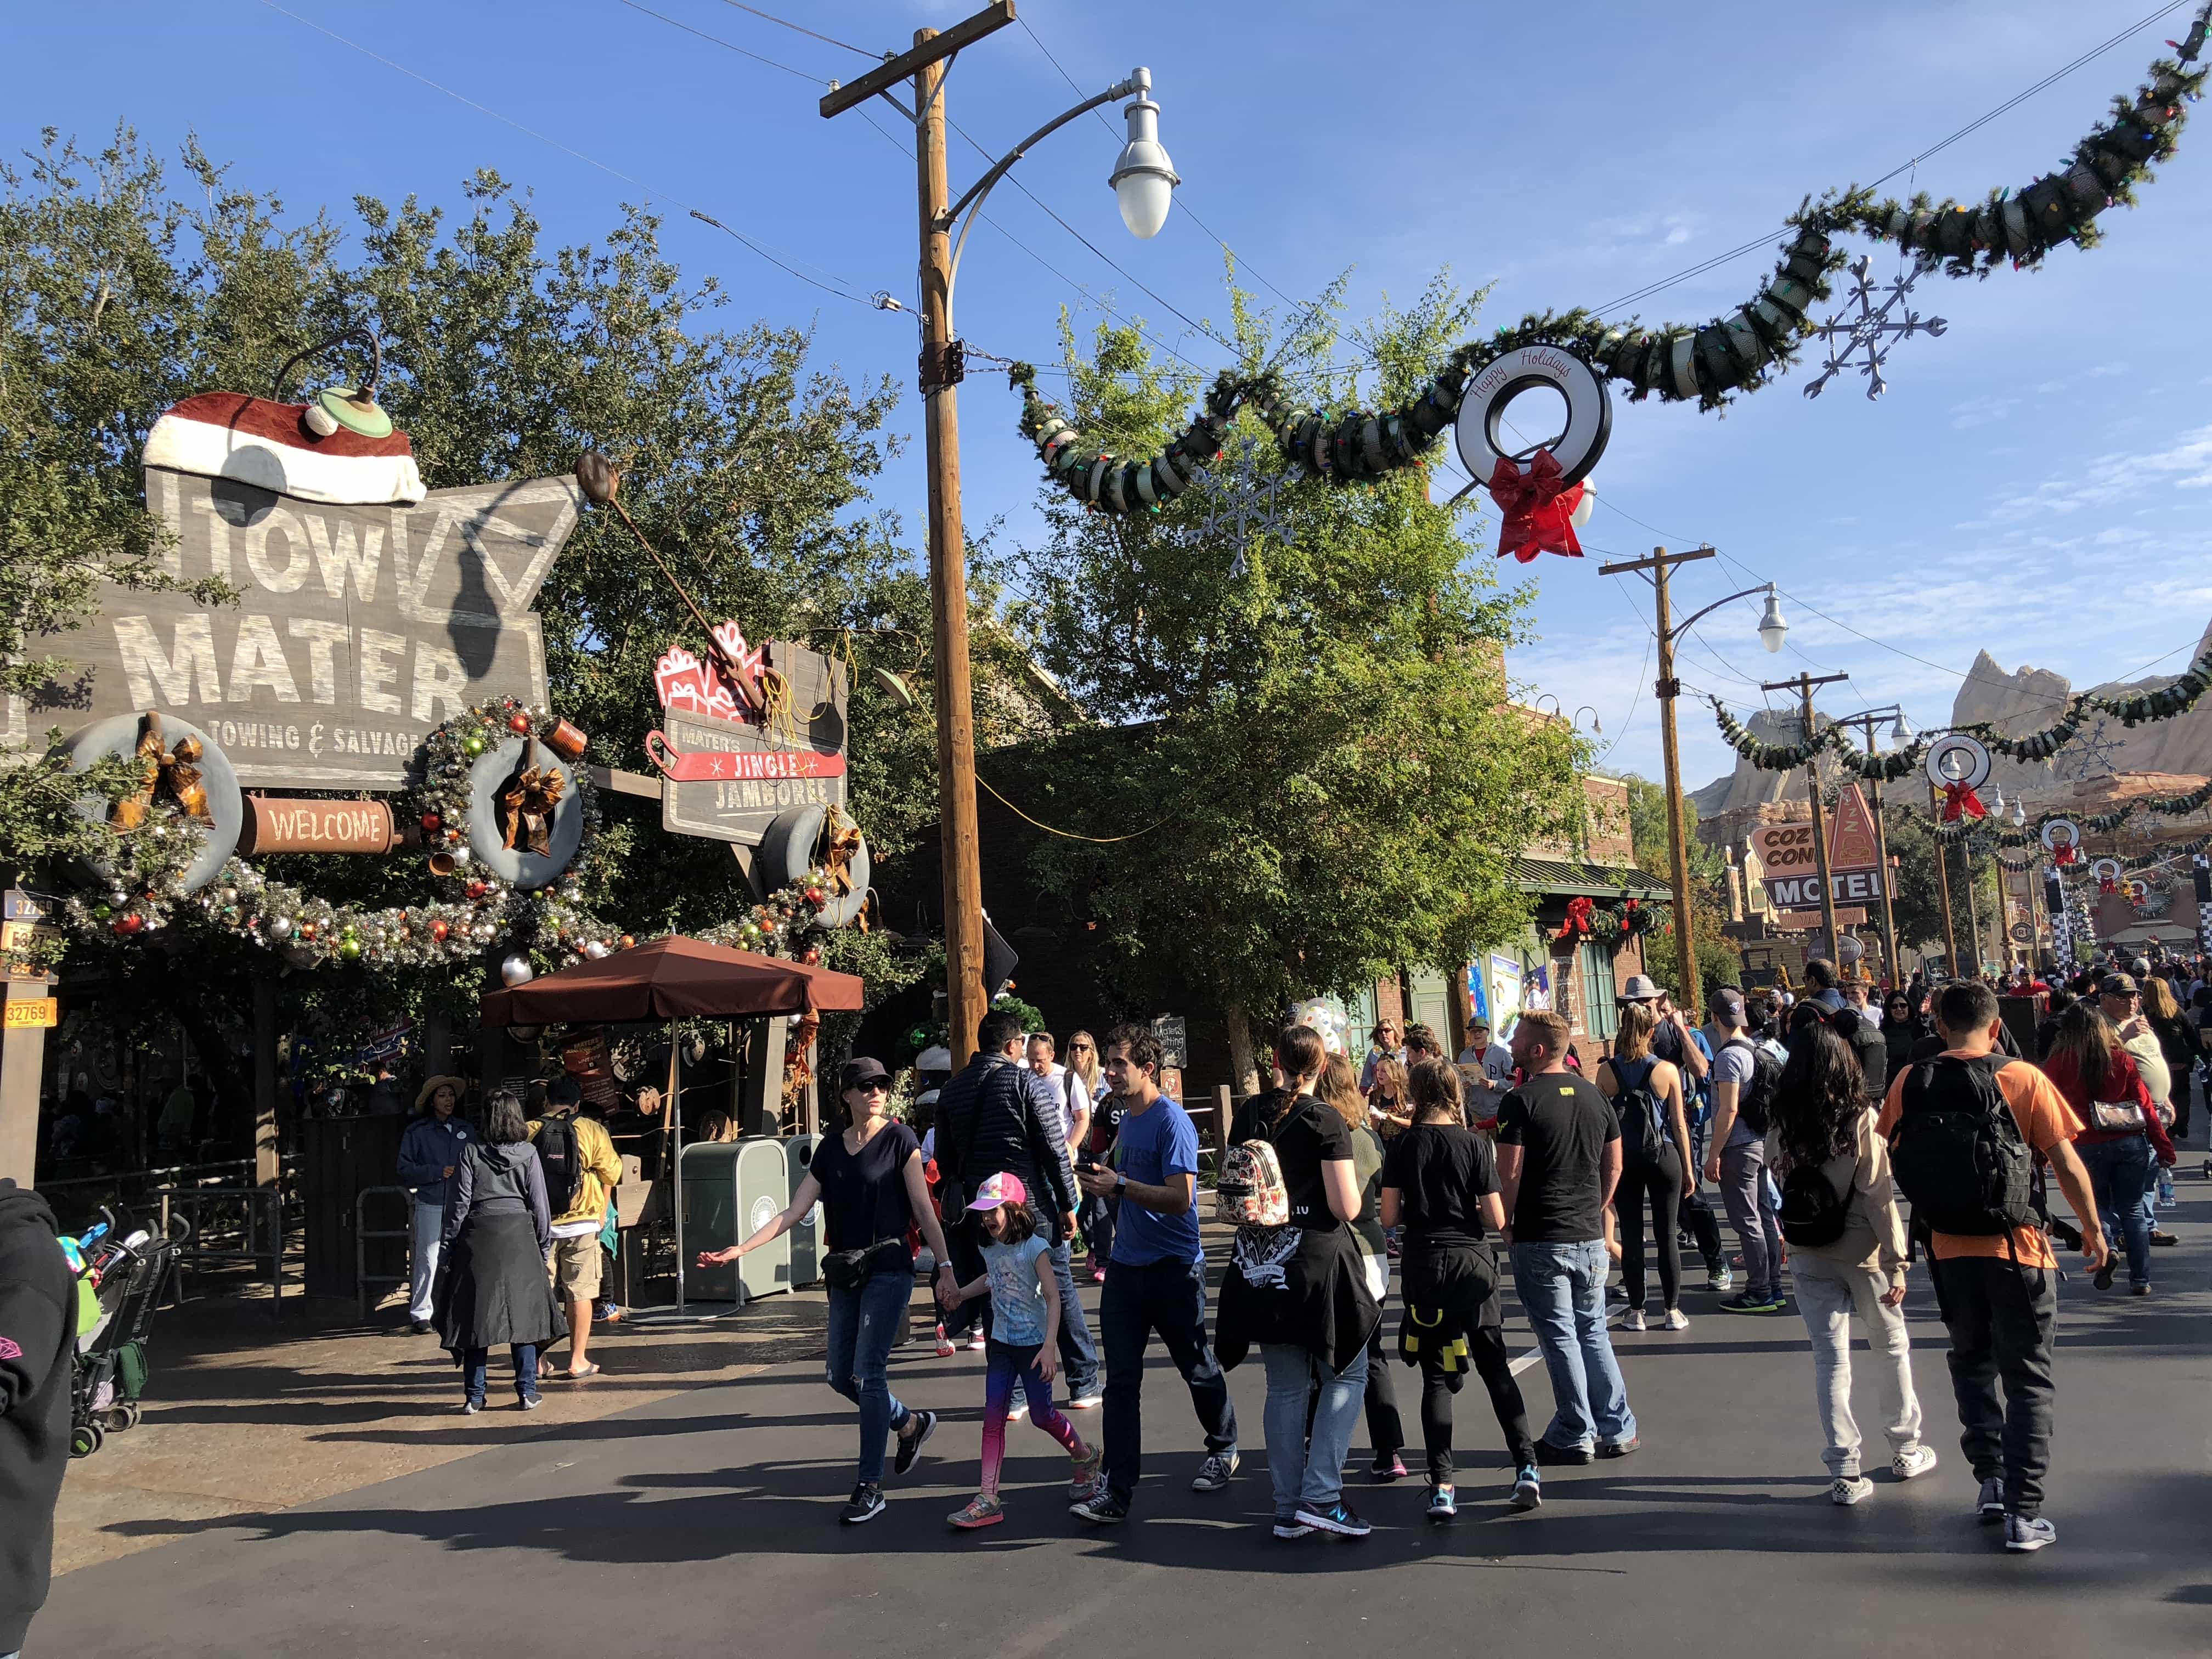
1085, 1079
869, 1181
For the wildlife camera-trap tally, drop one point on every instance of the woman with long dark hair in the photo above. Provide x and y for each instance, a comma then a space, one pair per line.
1654, 1160
2121, 1134
1847, 1252
1339, 1089
498, 1232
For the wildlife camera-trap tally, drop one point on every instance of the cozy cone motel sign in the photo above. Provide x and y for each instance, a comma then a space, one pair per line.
1786, 854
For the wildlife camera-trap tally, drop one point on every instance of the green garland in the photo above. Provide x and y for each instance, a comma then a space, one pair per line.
1711, 362
1768, 757
1877, 768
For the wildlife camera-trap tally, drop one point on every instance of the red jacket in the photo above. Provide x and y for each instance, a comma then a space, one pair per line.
2122, 1082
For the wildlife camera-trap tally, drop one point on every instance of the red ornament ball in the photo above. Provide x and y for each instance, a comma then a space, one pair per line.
431, 821
129, 922
814, 896
439, 930
519, 723
627, 941
476, 889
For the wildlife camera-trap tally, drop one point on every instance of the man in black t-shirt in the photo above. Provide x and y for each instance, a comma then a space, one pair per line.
1558, 1161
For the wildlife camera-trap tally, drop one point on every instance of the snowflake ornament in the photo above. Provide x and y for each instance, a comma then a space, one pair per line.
2093, 753
1868, 329
1242, 501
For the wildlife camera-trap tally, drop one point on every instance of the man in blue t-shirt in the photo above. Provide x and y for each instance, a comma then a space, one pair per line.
1156, 1279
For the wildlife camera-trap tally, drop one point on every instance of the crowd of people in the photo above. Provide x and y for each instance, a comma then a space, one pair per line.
1853, 1134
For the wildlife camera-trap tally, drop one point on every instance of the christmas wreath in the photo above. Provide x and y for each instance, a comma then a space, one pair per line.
1611, 925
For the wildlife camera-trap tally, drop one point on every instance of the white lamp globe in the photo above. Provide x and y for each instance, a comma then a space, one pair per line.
1144, 179
1773, 630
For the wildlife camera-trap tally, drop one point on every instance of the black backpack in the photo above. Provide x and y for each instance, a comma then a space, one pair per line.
1812, 1211
1754, 1098
1957, 1152
558, 1154
1642, 1119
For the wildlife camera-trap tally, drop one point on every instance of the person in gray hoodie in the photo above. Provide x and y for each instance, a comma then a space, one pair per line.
38, 1328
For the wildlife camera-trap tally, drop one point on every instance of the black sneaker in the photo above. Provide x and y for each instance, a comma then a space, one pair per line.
1338, 1517
1549, 1455
1989, 1504
866, 1504
909, 1445
1749, 1302
1619, 1448
1101, 1509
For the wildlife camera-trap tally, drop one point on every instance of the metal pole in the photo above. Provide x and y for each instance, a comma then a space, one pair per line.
1973, 910
1881, 853
964, 1002
1943, 881
1678, 853
672, 1116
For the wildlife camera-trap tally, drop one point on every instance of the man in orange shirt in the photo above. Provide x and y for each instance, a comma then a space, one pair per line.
1998, 1289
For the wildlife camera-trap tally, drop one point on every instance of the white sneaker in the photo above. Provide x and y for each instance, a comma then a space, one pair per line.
1088, 1402
1677, 1319
1849, 1489
1018, 1409
1912, 1462
1632, 1320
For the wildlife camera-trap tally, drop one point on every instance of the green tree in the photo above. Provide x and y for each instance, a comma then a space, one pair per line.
1720, 960
1314, 758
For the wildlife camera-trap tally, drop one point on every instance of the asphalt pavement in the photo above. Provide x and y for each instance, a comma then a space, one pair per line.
706, 1521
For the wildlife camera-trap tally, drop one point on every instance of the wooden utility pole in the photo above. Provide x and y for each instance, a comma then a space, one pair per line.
1881, 854
1802, 685
1943, 881
1668, 688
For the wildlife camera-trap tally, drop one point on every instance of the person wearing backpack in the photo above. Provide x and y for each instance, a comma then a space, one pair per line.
1646, 1093
581, 1169
2121, 1140
1963, 1128
1745, 1074
1839, 1215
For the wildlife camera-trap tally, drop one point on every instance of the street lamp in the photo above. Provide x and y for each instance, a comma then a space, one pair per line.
1144, 184
1773, 630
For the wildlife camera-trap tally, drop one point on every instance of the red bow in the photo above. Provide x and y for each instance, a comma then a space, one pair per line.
1578, 915
1960, 801
2067, 854
1539, 508
2106, 884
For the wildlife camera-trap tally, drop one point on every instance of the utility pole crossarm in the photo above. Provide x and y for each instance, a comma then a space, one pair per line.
1802, 685
1661, 559
907, 64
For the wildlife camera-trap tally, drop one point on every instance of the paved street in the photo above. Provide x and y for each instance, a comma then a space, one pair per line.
706, 1521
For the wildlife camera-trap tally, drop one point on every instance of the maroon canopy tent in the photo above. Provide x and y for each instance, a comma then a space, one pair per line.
676, 978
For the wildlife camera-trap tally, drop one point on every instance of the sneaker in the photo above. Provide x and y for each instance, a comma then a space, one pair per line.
981, 1511
1528, 1487
866, 1503
1632, 1320
976, 1341
421, 1327
1749, 1303
909, 1445
1338, 1517
1912, 1462
2139, 1290
1089, 1400
1213, 1474
1619, 1448
1289, 1526
1616, 1293
1018, 1408
1548, 1454
1720, 1279
529, 1403
2023, 1535
1443, 1505
2158, 1235
1677, 1319
471, 1408
1392, 1467
1989, 1506
1083, 1479
1101, 1508
1848, 1489
2102, 1279
945, 1348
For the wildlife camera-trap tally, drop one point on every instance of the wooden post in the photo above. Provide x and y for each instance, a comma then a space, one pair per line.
764, 1077
1943, 882
23, 1062
1678, 853
1222, 1106
267, 1166
965, 1002
1802, 685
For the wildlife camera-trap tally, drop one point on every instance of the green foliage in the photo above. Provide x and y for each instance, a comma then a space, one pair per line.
1318, 752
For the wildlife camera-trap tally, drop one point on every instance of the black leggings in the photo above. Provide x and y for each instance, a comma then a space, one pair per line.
1487, 1344
1662, 1182
1705, 1227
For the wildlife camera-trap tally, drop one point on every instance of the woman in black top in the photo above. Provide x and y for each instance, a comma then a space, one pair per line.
870, 1181
1440, 1186
1653, 1166
493, 1288
2178, 1042
1299, 1292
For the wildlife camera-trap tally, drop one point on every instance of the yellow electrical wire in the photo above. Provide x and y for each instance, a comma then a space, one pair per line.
1069, 835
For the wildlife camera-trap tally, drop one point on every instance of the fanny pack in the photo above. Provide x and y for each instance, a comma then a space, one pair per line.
848, 1270
2116, 1115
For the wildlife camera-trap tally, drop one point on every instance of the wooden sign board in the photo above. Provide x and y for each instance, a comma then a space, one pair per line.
768, 772
1801, 891
1796, 921
1850, 833
356, 631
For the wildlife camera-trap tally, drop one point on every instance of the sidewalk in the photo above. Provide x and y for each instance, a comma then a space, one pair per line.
243, 1413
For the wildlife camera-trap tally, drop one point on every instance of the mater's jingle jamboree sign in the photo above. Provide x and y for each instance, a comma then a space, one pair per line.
747, 735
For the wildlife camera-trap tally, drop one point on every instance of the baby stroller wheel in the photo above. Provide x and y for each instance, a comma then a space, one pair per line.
85, 1439
132, 1412
116, 1419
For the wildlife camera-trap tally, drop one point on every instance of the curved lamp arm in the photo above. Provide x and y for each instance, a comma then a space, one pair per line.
1691, 621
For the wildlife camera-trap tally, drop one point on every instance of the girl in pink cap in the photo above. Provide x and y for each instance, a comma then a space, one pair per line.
1023, 1345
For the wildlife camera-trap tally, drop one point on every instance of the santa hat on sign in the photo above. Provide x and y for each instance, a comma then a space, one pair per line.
339, 449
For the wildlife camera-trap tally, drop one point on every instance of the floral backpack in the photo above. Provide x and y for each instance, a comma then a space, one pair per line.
1250, 1193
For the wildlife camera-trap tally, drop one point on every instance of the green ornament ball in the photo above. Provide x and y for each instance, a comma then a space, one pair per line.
473, 743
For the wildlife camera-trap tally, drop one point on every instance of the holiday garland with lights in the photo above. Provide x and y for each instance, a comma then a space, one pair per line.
1711, 362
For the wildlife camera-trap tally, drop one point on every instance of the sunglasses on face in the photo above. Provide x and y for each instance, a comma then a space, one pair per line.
878, 1087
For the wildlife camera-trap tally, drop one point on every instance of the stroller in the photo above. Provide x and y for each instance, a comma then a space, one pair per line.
119, 1286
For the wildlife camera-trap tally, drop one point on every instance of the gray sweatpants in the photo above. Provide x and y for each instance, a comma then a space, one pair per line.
1743, 1191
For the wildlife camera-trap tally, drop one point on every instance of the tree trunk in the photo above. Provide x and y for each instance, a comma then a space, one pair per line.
1243, 1064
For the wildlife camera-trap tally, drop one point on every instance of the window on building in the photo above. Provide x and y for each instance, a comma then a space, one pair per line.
1600, 1017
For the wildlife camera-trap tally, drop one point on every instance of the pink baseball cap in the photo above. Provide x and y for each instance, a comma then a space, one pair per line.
1000, 1188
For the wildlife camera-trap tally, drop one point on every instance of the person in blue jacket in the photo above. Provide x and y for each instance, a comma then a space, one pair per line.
429, 1152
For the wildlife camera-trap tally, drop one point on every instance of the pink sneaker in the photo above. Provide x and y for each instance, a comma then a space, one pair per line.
945, 1348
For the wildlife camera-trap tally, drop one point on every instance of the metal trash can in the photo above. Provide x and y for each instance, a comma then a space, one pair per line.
806, 1238
731, 1189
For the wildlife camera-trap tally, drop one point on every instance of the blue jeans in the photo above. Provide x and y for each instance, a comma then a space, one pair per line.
476, 1361
2120, 1176
1308, 1466
1562, 1290
1079, 1355
863, 1325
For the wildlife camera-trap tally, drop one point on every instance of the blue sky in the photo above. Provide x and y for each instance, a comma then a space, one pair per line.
2036, 482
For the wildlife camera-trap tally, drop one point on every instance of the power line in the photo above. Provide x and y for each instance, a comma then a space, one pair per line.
727, 46
836, 285
785, 22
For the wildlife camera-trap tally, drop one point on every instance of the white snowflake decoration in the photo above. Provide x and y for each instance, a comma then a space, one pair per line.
1867, 330
2094, 754
1242, 501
